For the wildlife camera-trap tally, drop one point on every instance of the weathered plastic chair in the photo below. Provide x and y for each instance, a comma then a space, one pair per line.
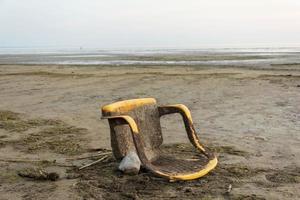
135, 126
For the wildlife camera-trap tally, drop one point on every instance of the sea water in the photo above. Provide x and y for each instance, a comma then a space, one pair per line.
255, 57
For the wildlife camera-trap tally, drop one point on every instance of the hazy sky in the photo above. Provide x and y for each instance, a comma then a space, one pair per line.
149, 23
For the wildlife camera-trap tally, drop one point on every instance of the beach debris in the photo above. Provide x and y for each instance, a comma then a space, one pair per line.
38, 174
90, 164
229, 189
260, 138
90, 156
130, 164
43, 162
188, 189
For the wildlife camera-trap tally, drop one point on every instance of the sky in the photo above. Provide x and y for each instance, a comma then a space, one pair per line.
149, 23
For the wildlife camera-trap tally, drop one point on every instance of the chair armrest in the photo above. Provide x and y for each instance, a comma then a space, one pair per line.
187, 119
176, 108
129, 120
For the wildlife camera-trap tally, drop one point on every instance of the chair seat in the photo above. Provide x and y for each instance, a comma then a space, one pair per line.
174, 166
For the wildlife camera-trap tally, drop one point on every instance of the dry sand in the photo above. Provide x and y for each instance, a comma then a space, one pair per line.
49, 114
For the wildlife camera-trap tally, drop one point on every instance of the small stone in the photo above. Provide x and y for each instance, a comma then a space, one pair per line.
187, 189
53, 176
258, 154
130, 164
260, 138
229, 188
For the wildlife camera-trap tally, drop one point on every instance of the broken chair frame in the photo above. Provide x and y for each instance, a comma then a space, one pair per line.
125, 106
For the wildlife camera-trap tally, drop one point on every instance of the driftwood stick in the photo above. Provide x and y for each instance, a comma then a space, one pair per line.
98, 150
53, 162
90, 164
92, 156
24, 160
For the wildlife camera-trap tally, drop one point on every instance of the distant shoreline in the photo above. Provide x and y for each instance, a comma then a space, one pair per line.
220, 58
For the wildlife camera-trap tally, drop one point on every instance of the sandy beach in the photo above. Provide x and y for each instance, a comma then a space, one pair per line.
50, 117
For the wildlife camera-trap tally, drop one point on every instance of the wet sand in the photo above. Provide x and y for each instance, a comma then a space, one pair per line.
250, 117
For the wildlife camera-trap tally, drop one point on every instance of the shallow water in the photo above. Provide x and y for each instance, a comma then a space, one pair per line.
255, 57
